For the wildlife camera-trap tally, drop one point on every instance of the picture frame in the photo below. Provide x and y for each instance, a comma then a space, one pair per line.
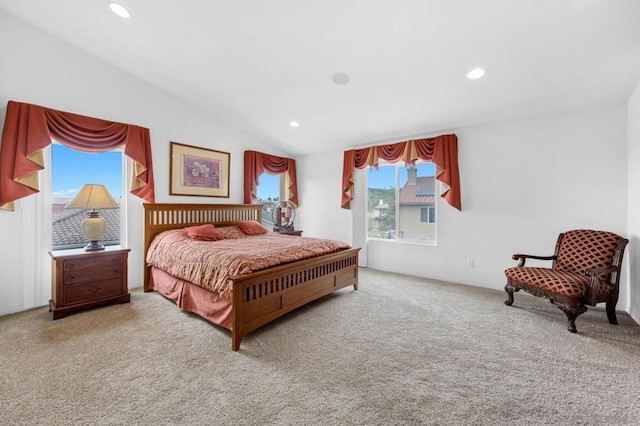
199, 172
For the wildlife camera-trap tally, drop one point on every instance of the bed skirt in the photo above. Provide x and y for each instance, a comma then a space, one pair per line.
192, 298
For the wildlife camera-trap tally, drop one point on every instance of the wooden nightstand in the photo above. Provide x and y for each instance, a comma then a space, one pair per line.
84, 279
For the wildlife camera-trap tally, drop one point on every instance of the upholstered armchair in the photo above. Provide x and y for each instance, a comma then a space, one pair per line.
585, 270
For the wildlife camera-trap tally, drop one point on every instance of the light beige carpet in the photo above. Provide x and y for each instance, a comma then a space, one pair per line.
400, 350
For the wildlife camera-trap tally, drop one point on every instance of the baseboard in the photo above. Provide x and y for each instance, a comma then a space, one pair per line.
635, 315
11, 311
133, 285
449, 279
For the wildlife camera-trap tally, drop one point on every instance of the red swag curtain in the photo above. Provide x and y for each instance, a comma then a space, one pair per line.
441, 150
28, 129
256, 163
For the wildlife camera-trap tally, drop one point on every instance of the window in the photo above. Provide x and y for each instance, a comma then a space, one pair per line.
70, 169
401, 202
270, 191
269, 188
428, 214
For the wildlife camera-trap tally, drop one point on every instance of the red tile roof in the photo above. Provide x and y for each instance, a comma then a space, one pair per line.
67, 226
409, 193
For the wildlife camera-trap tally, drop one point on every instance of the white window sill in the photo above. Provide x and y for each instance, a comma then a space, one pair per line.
409, 242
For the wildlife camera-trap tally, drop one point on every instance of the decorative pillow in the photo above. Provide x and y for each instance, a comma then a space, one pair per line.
231, 232
251, 227
203, 233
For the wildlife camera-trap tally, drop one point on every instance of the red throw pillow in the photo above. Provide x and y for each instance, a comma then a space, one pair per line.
203, 233
251, 227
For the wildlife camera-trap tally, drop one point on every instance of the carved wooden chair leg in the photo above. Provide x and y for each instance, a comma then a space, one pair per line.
509, 291
572, 312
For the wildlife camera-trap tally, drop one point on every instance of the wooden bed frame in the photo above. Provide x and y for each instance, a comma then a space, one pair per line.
260, 297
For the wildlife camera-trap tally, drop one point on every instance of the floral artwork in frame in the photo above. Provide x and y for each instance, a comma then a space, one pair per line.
198, 171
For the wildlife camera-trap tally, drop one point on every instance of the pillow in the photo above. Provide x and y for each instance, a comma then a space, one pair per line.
251, 227
203, 233
231, 232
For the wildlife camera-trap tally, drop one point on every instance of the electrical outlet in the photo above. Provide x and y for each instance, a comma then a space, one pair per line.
469, 263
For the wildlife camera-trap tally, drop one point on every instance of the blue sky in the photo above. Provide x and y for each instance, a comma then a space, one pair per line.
71, 169
384, 177
269, 186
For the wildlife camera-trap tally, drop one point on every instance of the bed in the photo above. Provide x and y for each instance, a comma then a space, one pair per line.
256, 298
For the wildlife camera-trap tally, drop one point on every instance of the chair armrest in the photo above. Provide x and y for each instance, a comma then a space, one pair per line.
596, 271
523, 257
594, 284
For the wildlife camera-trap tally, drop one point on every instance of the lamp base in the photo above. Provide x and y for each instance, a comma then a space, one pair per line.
283, 228
94, 228
94, 246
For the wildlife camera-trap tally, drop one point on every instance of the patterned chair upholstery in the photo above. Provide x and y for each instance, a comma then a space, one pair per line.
585, 270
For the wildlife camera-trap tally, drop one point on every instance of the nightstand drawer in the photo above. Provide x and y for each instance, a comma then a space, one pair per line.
92, 262
71, 278
92, 290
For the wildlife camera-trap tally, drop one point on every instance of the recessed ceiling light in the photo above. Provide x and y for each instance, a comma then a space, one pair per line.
119, 10
475, 74
341, 78
294, 124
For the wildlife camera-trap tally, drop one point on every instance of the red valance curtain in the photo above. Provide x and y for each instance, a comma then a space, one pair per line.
256, 163
28, 129
441, 150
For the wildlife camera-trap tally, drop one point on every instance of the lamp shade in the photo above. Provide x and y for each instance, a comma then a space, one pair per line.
93, 196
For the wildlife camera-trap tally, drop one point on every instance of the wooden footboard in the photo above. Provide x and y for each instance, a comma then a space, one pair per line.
262, 296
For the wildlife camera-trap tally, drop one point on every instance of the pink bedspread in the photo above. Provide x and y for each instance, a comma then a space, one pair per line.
209, 264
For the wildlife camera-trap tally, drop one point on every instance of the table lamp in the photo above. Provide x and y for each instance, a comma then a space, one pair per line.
93, 196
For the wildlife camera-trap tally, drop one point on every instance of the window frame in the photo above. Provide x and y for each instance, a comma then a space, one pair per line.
397, 230
430, 215
125, 165
267, 206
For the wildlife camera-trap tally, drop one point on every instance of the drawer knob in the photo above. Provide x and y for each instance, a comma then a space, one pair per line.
92, 290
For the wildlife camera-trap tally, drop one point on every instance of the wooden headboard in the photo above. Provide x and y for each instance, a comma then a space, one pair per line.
160, 217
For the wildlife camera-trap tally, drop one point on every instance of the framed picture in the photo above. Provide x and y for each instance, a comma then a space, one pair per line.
198, 171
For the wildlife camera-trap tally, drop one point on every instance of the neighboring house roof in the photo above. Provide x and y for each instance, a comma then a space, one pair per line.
422, 193
67, 226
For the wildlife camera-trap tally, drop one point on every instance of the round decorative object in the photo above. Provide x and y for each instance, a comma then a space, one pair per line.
283, 215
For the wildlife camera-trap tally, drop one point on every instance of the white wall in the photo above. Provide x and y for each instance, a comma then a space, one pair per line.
319, 188
523, 182
35, 68
633, 135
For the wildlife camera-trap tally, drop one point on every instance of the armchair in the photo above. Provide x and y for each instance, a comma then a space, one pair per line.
585, 270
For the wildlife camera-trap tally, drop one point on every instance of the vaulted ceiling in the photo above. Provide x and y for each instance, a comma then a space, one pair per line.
258, 65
